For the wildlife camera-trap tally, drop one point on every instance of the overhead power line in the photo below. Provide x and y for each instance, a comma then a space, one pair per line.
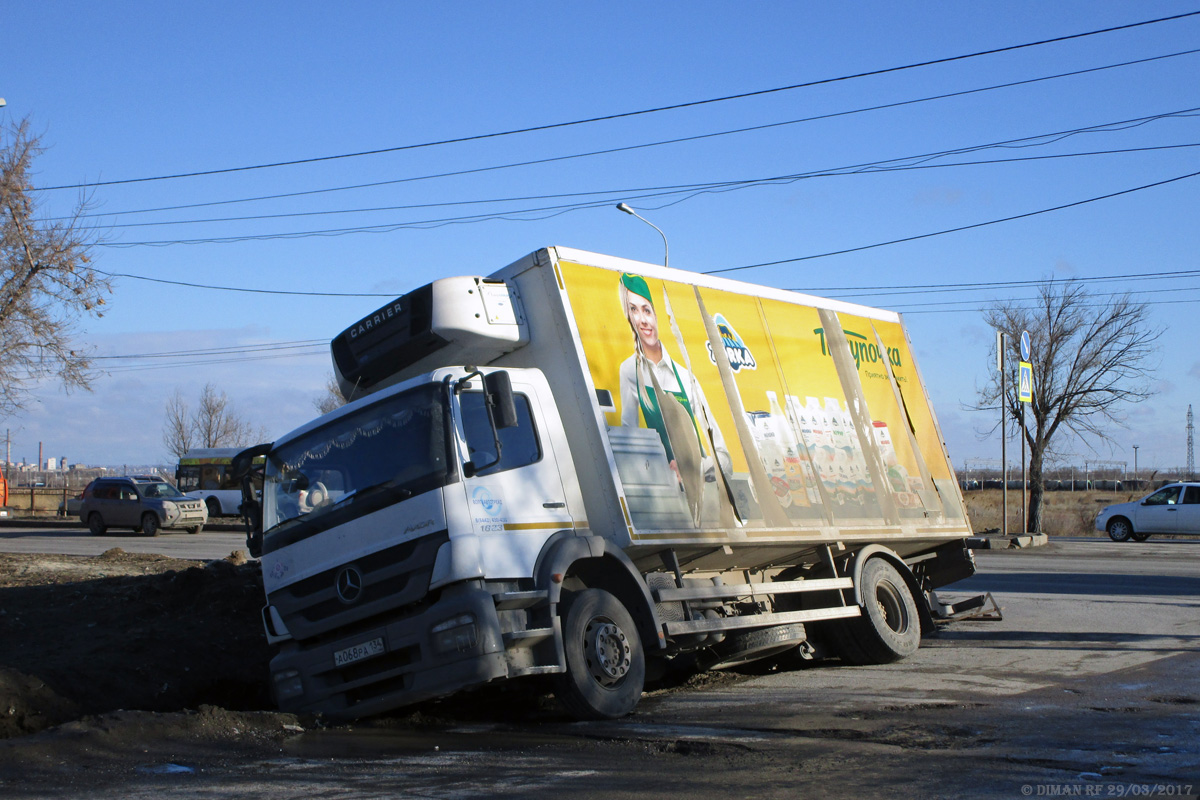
216, 351
929, 288
628, 148
954, 230
239, 289
985, 307
627, 114
689, 190
646, 192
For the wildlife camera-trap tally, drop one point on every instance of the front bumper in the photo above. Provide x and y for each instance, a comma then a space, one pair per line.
183, 515
415, 664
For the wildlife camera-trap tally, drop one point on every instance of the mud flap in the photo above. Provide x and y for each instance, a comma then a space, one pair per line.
976, 607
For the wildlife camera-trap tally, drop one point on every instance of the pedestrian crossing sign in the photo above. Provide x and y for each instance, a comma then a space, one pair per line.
1025, 383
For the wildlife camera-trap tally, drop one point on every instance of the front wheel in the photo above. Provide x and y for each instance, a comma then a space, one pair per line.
1119, 529
195, 529
606, 667
150, 523
214, 507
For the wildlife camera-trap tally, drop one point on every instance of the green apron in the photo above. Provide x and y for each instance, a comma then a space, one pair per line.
653, 414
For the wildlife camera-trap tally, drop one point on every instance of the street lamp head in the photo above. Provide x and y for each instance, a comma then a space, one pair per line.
666, 247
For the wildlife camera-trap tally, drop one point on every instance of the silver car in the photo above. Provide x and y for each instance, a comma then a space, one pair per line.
146, 505
1175, 509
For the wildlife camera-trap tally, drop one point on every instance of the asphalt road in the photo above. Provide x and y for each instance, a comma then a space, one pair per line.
74, 539
1089, 686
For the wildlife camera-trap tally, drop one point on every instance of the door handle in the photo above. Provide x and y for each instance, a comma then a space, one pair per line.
554, 505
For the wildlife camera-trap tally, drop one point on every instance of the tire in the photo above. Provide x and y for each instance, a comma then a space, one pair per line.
1138, 536
1119, 529
96, 524
889, 628
195, 529
742, 647
606, 667
150, 524
214, 507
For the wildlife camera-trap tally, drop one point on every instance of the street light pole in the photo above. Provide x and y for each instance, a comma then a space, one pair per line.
1135, 471
632, 213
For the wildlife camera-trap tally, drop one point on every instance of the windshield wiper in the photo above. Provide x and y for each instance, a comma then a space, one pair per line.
374, 490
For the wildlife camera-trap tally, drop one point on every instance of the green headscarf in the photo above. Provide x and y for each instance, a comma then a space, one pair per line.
637, 284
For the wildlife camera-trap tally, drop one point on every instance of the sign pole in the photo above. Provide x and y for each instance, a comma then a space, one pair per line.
1003, 432
1024, 397
1024, 480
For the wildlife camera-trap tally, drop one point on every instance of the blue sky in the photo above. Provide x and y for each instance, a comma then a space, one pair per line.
132, 90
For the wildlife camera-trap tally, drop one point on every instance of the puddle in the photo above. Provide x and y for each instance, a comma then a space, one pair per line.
378, 743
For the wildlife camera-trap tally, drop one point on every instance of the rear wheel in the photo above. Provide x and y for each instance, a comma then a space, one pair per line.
889, 628
96, 524
606, 667
1119, 529
150, 523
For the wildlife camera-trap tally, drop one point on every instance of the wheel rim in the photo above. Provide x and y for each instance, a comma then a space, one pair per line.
1118, 530
891, 607
608, 652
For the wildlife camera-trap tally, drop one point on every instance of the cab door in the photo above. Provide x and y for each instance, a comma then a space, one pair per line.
517, 501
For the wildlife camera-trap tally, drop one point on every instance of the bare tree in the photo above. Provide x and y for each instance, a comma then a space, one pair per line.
178, 435
331, 399
1090, 354
46, 284
214, 423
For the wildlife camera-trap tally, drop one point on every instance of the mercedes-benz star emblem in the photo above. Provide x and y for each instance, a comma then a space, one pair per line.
349, 585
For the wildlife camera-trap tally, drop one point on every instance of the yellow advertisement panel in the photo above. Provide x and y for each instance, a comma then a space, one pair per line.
733, 411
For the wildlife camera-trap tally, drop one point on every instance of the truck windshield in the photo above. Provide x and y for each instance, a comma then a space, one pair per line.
356, 464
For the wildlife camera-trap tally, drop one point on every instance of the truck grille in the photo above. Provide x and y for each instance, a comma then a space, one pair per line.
392, 578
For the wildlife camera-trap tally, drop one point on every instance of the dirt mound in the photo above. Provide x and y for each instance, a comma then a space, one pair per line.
85, 635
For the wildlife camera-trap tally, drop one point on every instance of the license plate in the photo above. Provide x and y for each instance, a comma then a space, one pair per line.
358, 652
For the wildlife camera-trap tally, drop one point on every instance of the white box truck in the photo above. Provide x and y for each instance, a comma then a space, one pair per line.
583, 466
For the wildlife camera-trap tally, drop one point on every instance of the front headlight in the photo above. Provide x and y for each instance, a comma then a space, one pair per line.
457, 634
288, 684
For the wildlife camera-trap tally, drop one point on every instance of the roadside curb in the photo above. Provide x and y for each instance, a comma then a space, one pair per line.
69, 523
1008, 542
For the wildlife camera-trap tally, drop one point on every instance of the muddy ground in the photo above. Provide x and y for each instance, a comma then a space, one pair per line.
85, 636
105, 661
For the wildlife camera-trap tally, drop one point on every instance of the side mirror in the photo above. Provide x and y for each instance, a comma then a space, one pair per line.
497, 389
241, 464
243, 468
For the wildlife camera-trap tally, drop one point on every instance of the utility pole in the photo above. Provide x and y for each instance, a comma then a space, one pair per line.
1191, 463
